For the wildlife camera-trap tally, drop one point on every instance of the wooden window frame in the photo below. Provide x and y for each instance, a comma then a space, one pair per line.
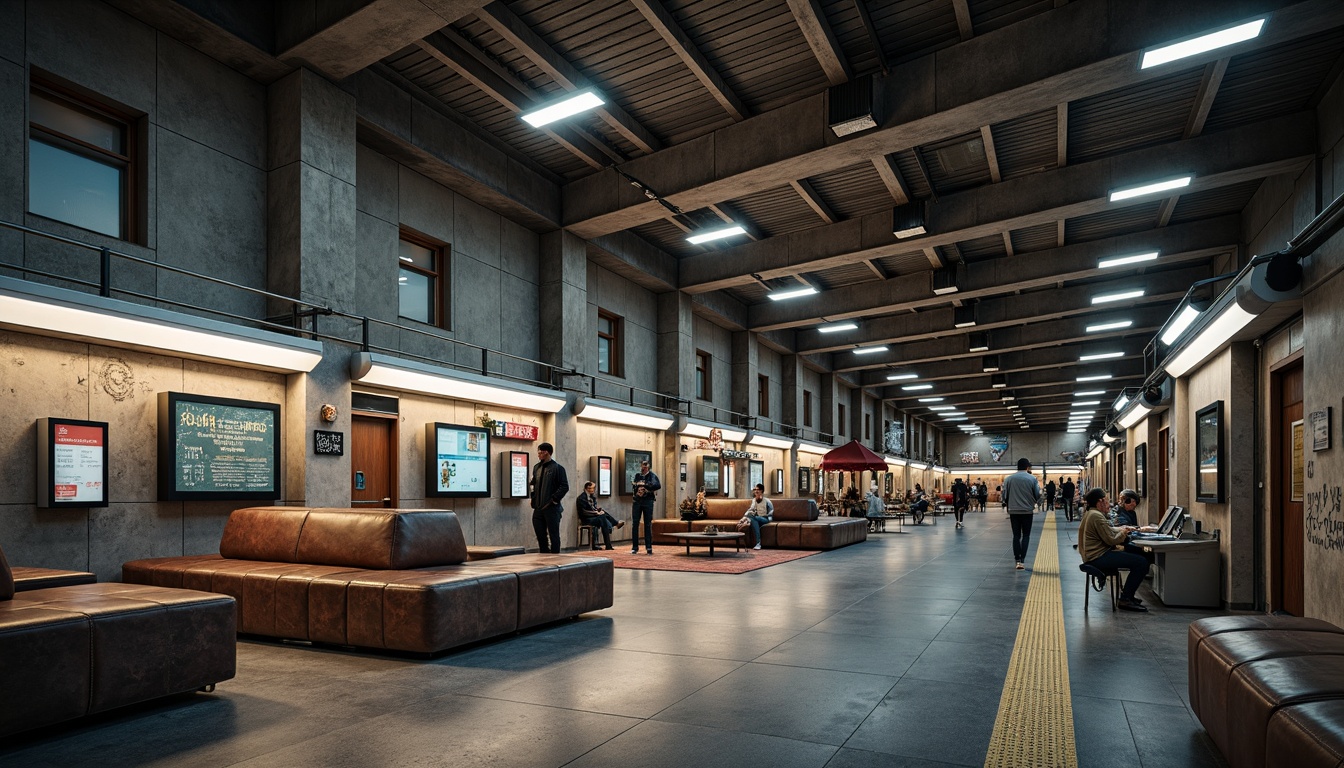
840, 420
132, 204
867, 426
439, 275
763, 395
616, 339
807, 408
706, 392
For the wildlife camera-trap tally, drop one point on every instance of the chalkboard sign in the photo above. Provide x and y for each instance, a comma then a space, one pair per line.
214, 448
328, 443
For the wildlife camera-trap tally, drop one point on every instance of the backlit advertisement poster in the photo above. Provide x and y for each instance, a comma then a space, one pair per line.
603, 475
458, 461
518, 469
72, 463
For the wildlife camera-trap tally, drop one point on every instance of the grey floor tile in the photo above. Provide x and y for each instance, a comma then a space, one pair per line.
858, 758
1101, 733
711, 641
1000, 630
932, 720
871, 624
1109, 676
654, 744
823, 706
1169, 736
847, 653
963, 663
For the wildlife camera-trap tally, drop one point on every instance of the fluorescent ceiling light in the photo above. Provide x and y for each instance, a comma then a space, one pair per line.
1122, 260
902, 376
59, 312
791, 293
955, 418
953, 413
1075, 431
870, 350
916, 387
767, 441
702, 430
930, 399
1118, 324
1120, 402
1101, 356
622, 415
1214, 335
1077, 403
1202, 44
1148, 189
1178, 326
731, 230
1139, 413
1106, 438
1090, 393
1097, 377
1107, 298
409, 376
970, 323
942, 407
847, 325
571, 104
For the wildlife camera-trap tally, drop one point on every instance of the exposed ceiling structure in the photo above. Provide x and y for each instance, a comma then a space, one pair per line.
1008, 121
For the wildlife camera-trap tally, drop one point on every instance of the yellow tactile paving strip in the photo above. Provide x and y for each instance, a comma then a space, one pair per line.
1035, 722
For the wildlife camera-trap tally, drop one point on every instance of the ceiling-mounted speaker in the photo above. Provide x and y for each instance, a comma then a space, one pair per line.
852, 106
1158, 393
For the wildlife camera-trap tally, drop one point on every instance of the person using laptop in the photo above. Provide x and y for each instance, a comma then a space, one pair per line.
1127, 508
1107, 548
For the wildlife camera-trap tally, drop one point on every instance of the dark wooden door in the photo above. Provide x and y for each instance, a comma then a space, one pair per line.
1163, 465
1286, 523
373, 476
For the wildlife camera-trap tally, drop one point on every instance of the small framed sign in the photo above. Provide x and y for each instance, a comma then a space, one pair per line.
72, 459
804, 480
779, 482
328, 443
1320, 429
517, 474
683, 472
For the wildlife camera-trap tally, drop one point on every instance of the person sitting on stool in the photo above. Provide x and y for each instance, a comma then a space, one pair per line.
591, 514
1105, 547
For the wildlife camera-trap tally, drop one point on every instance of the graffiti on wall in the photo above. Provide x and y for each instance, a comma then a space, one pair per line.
1324, 526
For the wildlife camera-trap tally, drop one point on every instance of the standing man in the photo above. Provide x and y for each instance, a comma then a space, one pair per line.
961, 499
1050, 495
549, 486
647, 486
1067, 490
1021, 494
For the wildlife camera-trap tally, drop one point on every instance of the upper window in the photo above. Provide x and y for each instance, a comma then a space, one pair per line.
420, 279
609, 343
807, 408
80, 168
763, 396
840, 425
867, 426
702, 383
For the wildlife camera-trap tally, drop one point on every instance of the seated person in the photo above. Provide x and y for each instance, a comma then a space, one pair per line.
591, 514
851, 502
1127, 510
1105, 547
759, 513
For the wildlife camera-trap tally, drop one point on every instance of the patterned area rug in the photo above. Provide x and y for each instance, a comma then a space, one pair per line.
668, 557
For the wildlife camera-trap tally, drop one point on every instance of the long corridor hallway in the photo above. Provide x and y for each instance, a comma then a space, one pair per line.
893, 652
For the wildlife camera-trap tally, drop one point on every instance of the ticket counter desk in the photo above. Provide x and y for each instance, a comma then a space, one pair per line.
1187, 570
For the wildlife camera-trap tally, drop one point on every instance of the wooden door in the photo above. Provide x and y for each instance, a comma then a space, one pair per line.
1287, 539
373, 461
1163, 466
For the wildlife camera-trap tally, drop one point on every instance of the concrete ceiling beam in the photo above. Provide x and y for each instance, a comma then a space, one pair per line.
1183, 243
821, 39
652, 268
1123, 373
1280, 145
1094, 47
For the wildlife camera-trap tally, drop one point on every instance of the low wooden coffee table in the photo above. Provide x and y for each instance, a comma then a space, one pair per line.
699, 536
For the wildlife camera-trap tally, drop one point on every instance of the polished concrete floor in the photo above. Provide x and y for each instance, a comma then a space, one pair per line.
888, 653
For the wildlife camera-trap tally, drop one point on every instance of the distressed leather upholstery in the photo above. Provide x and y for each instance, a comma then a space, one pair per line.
1269, 689
71, 651
378, 578
797, 525
26, 578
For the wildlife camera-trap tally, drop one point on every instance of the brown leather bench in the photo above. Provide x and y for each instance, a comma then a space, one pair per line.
26, 578
71, 651
378, 578
1251, 676
796, 525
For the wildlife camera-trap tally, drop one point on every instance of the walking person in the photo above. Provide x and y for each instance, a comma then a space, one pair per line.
549, 486
1107, 548
1068, 491
592, 515
961, 499
647, 486
1050, 495
983, 496
1021, 494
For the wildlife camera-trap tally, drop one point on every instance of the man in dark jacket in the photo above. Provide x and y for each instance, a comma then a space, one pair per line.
647, 486
1067, 490
961, 499
549, 486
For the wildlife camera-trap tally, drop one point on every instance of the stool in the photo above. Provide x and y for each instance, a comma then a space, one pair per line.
1097, 579
591, 531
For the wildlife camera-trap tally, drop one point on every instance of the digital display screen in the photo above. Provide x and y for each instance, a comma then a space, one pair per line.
217, 448
458, 461
72, 463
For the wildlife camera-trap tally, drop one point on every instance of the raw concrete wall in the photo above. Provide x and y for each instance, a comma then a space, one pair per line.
1042, 448
718, 342
639, 308
769, 364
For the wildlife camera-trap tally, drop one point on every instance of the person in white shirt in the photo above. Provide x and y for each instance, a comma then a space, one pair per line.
759, 513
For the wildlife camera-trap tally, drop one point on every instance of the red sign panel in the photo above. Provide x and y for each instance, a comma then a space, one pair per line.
515, 431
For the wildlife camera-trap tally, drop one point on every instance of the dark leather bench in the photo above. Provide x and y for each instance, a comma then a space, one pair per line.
26, 578
379, 578
797, 525
1251, 676
71, 651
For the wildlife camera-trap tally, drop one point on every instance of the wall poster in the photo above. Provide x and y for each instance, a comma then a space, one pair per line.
1299, 479
1141, 468
215, 448
604, 467
804, 480
71, 463
1320, 430
517, 473
1209, 453
779, 482
709, 473
755, 474
998, 446
457, 461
